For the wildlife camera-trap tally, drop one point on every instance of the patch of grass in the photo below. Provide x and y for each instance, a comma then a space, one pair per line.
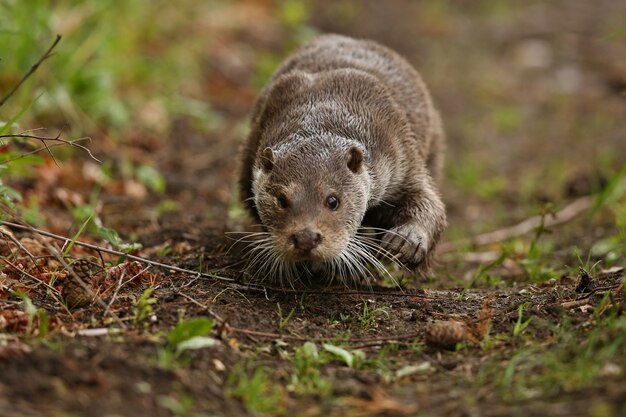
32, 214
36, 315
187, 335
613, 192
471, 177
142, 311
507, 118
368, 316
257, 391
179, 407
575, 359
382, 363
612, 248
352, 358
536, 263
111, 236
307, 378
282, 319
521, 324
482, 275
151, 178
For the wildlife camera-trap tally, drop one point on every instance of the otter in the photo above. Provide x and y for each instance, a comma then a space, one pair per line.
341, 163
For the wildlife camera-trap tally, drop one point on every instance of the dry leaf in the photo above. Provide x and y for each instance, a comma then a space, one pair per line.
485, 317
380, 403
12, 350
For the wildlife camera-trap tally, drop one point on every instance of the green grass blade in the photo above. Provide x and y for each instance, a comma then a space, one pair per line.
80, 231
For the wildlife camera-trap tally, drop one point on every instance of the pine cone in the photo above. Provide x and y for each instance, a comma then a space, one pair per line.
446, 334
74, 292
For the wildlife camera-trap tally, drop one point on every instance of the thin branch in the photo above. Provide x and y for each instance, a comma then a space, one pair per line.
117, 288
12, 238
43, 148
26, 274
566, 214
276, 336
45, 140
32, 69
115, 252
120, 284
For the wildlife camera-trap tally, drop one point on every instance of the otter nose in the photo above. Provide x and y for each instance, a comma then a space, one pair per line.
306, 239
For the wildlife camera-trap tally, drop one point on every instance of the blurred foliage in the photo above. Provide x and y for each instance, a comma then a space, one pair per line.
113, 56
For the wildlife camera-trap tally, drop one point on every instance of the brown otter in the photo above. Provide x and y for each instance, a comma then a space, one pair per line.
344, 136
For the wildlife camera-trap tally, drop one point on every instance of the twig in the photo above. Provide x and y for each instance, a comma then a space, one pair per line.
584, 299
12, 238
117, 288
32, 69
575, 303
275, 336
475, 257
43, 148
45, 140
115, 252
26, 274
598, 290
566, 214
199, 304
135, 276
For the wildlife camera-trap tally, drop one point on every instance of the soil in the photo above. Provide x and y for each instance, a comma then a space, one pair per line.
69, 372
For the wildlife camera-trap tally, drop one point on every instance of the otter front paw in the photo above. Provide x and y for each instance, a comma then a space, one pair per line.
408, 243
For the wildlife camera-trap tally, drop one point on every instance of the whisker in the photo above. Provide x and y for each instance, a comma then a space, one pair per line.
362, 262
383, 231
378, 250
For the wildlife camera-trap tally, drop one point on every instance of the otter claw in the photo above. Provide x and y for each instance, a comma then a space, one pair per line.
408, 243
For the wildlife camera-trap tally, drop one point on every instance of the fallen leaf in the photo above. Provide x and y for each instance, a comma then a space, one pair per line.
380, 403
12, 350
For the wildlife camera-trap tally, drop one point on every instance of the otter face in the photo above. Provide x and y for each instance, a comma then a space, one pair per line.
311, 199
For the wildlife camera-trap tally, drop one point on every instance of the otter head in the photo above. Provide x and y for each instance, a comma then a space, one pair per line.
311, 194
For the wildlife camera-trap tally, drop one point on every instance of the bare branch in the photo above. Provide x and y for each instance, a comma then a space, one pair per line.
568, 213
57, 138
32, 69
43, 148
114, 252
12, 238
32, 277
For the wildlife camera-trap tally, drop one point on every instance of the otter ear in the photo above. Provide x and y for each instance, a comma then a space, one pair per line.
355, 159
267, 159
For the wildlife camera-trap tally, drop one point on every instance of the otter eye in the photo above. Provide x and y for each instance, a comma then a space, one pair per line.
282, 201
332, 202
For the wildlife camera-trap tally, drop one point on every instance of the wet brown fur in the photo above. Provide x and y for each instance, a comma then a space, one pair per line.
332, 100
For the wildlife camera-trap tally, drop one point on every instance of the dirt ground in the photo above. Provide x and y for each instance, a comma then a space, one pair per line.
532, 96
